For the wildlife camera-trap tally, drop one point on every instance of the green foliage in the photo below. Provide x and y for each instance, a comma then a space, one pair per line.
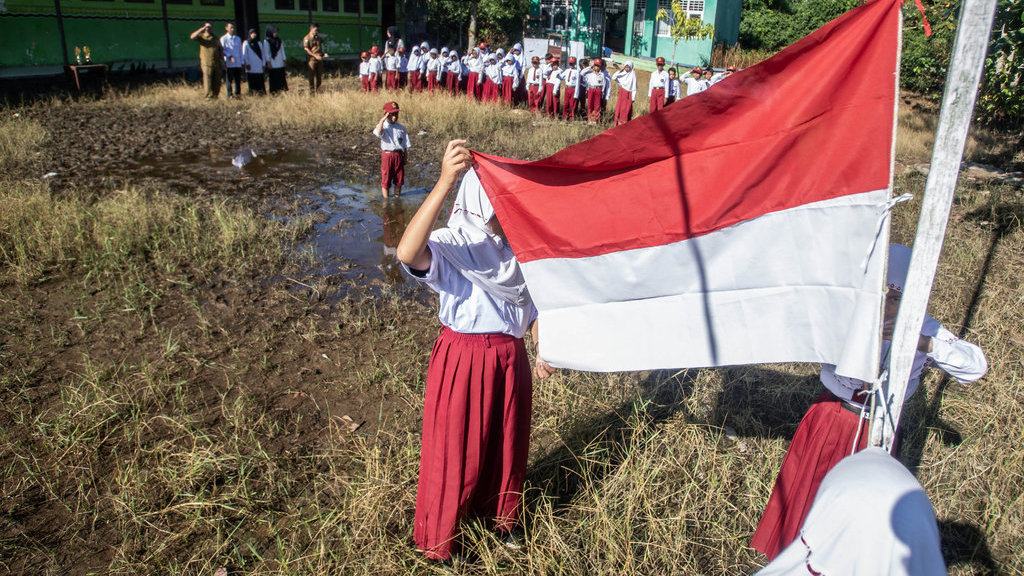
683, 27
499, 22
774, 25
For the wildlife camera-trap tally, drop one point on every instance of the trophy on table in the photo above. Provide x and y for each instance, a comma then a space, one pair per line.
78, 55
88, 55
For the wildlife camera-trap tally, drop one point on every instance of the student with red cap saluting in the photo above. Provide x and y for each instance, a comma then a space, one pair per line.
394, 141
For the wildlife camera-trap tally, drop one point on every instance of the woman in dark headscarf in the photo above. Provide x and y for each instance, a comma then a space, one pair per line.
393, 41
254, 59
276, 65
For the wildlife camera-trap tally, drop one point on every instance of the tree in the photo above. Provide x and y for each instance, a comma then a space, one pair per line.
683, 27
495, 21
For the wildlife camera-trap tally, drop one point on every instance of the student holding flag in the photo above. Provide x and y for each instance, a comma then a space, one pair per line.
837, 423
476, 422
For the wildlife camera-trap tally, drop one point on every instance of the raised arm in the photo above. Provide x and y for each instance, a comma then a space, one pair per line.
412, 248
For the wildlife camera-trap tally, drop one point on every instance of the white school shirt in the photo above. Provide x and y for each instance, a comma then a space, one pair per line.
961, 360
275, 62
534, 76
607, 85
693, 86
391, 63
467, 308
511, 70
555, 79
392, 136
571, 77
493, 73
232, 46
476, 65
376, 65
658, 80
252, 60
364, 68
413, 63
434, 66
627, 80
455, 67
594, 80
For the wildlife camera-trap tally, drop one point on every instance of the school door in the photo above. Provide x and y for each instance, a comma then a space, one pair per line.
246, 17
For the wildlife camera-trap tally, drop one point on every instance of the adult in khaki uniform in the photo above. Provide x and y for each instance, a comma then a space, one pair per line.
211, 59
314, 47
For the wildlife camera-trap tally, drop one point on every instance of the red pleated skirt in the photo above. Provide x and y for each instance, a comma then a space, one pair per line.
824, 437
476, 437
623, 107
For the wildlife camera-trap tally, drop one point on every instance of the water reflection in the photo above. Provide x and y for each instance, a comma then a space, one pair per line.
393, 223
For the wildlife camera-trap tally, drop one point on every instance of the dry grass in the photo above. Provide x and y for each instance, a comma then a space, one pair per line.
915, 136
642, 473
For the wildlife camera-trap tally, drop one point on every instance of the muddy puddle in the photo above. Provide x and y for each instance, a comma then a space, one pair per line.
353, 230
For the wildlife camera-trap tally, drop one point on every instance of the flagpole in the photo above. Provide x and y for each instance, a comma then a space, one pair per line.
954, 121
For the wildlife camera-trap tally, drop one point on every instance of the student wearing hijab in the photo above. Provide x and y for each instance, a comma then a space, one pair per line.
413, 67
453, 73
277, 71
478, 398
870, 516
837, 423
492, 80
434, 68
475, 65
626, 78
252, 57
509, 80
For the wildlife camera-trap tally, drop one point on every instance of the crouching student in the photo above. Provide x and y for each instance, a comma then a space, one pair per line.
394, 141
837, 423
478, 400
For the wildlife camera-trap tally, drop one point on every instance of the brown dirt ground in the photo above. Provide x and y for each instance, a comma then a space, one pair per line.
296, 347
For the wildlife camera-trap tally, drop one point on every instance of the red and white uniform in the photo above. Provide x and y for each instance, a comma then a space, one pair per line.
571, 80
476, 423
656, 89
534, 86
394, 141
391, 62
595, 85
837, 418
627, 94
509, 80
552, 84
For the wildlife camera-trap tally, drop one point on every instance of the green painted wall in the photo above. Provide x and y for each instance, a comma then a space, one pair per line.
119, 32
723, 14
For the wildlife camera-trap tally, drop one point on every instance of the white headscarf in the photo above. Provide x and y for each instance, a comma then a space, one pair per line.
870, 516
483, 257
627, 79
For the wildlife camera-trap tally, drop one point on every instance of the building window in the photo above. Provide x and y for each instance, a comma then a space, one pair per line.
211, 2
352, 6
330, 6
694, 9
307, 5
369, 6
284, 4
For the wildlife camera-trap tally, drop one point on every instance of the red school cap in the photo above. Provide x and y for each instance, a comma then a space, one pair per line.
659, 60
596, 62
535, 60
390, 107
374, 50
572, 59
364, 55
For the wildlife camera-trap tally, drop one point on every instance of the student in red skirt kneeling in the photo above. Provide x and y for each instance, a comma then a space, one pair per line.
837, 423
479, 392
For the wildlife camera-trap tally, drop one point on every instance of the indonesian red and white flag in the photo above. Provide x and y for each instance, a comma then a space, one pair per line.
740, 225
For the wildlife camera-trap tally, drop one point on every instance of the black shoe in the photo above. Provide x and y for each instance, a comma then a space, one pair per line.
515, 539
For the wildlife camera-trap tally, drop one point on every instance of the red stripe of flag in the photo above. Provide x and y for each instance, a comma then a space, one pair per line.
812, 123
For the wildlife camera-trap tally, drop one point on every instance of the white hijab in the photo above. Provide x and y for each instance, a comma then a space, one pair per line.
483, 257
627, 79
870, 516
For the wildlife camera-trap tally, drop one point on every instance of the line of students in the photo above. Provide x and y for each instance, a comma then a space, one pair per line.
581, 89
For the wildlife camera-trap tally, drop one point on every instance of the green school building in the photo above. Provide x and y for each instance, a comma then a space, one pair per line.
632, 27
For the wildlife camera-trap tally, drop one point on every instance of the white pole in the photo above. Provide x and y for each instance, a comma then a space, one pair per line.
950, 136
